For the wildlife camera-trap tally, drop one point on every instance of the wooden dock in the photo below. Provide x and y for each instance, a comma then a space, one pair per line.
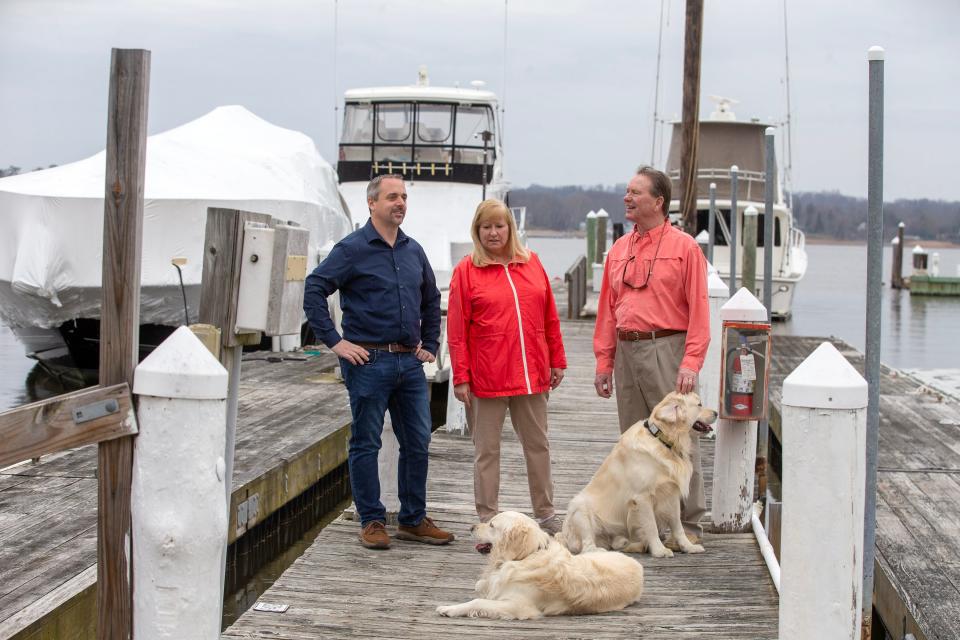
917, 569
293, 427
338, 589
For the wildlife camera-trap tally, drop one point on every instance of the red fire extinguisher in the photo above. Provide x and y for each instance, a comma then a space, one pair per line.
743, 379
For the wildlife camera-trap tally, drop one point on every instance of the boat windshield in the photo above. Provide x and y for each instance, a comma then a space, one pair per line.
423, 141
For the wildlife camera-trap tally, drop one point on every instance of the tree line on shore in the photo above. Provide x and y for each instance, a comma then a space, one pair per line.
824, 214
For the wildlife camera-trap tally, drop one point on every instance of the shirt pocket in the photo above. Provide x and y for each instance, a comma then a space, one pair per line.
669, 272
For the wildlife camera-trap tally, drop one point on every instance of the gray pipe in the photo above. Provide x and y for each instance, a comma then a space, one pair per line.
733, 229
875, 56
749, 276
711, 220
769, 220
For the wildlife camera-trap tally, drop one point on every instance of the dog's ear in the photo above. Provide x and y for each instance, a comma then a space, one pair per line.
670, 414
520, 540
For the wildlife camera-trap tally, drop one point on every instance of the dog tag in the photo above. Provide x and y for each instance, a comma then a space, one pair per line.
747, 368
270, 608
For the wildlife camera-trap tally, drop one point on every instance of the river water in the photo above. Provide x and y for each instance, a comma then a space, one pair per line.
918, 332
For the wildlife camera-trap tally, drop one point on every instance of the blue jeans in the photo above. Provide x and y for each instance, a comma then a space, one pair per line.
394, 382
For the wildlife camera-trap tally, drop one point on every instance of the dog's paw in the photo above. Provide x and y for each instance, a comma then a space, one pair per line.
444, 610
662, 552
694, 548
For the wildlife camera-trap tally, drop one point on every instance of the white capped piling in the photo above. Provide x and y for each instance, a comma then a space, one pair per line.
179, 520
824, 472
600, 250
710, 374
703, 240
736, 449
920, 256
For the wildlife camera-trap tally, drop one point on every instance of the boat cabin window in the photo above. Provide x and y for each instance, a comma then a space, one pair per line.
720, 240
421, 140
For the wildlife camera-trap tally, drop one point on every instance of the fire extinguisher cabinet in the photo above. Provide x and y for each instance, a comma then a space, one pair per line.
745, 364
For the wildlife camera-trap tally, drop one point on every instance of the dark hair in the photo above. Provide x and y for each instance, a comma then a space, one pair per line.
660, 186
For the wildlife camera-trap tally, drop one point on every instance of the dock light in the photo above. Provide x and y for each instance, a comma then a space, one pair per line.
745, 367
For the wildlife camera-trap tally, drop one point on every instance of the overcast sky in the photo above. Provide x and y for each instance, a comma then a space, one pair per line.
577, 77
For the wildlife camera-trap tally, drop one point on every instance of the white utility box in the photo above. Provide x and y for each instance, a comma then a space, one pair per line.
256, 264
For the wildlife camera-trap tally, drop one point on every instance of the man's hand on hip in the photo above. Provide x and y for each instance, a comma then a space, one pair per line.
686, 380
604, 384
423, 355
352, 352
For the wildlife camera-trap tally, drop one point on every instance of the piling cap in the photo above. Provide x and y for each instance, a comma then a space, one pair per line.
716, 288
743, 307
825, 380
592, 214
875, 53
703, 237
751, 211
181, 367
918, 249
602, 214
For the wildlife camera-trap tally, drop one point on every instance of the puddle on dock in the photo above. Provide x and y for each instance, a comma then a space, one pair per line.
241, 599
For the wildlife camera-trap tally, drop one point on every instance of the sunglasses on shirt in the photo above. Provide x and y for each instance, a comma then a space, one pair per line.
633, 258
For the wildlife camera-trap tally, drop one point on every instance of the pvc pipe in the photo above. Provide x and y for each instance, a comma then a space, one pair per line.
711, 220
734, 217
179, 524
766, 549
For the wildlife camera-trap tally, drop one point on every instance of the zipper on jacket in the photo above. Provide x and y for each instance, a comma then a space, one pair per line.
523, 347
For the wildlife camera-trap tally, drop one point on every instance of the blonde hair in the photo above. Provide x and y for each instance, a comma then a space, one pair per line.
488, 210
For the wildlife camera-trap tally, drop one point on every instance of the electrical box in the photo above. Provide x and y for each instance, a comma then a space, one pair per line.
256, 264
287, 278
745, 370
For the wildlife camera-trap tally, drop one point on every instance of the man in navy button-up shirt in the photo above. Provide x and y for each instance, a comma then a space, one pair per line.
391, 326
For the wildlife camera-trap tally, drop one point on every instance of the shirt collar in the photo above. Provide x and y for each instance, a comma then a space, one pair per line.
370, 233
652, 234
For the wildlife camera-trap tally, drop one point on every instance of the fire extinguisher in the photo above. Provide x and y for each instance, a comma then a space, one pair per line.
743, 379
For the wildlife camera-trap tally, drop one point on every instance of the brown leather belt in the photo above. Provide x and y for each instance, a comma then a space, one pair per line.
629, 334
392, 347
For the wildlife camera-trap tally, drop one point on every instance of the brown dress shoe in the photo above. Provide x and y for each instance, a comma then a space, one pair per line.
374, 535
426, 532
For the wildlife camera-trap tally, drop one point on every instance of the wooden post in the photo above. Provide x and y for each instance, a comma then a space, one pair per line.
591, 242
824, 438
179, 523
736, 449
896, 277
691, 115
119, 327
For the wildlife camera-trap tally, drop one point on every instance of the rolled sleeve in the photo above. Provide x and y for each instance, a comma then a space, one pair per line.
698, 303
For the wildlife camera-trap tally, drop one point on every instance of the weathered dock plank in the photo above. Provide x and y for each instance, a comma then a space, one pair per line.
293, 428
917, 571
338, 589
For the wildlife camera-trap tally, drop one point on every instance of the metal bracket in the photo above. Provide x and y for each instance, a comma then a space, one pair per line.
95, 410
248, 512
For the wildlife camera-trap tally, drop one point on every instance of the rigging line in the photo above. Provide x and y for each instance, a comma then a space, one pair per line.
656, 91
503, 87
336, 98
788, 169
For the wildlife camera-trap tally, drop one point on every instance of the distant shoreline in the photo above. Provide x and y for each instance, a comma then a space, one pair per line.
811, 239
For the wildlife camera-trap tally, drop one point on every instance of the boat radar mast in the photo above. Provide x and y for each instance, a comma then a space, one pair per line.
722, 112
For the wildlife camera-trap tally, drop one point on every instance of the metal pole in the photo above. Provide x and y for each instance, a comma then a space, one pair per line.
711, 221
734, 217
749, 276
769, 220
875, 57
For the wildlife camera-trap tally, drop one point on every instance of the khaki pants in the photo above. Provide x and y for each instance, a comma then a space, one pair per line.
644, 372
529, 417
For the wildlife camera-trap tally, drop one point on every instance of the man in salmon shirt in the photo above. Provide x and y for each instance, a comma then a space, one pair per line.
653, 319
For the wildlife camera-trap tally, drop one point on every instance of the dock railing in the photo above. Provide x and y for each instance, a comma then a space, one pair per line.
576, 279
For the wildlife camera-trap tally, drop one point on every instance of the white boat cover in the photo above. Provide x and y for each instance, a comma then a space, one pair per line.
52, 220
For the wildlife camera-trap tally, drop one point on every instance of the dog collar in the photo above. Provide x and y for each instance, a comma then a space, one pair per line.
657, 433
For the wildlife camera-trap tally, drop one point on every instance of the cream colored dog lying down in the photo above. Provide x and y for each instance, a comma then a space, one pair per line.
531, 575
638, 487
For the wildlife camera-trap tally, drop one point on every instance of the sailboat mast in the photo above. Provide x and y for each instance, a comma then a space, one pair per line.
656, 94
693, 40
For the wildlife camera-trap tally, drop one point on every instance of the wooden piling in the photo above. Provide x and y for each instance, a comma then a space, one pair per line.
690, 129
896, 276
119, 326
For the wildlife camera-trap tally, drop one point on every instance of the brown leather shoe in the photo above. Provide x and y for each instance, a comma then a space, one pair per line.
426, 532
374, 536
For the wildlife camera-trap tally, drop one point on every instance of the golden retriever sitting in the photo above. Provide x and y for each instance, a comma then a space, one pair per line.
530, 575
638, 488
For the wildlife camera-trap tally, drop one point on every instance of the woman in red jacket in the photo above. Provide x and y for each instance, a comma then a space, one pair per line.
507, 353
